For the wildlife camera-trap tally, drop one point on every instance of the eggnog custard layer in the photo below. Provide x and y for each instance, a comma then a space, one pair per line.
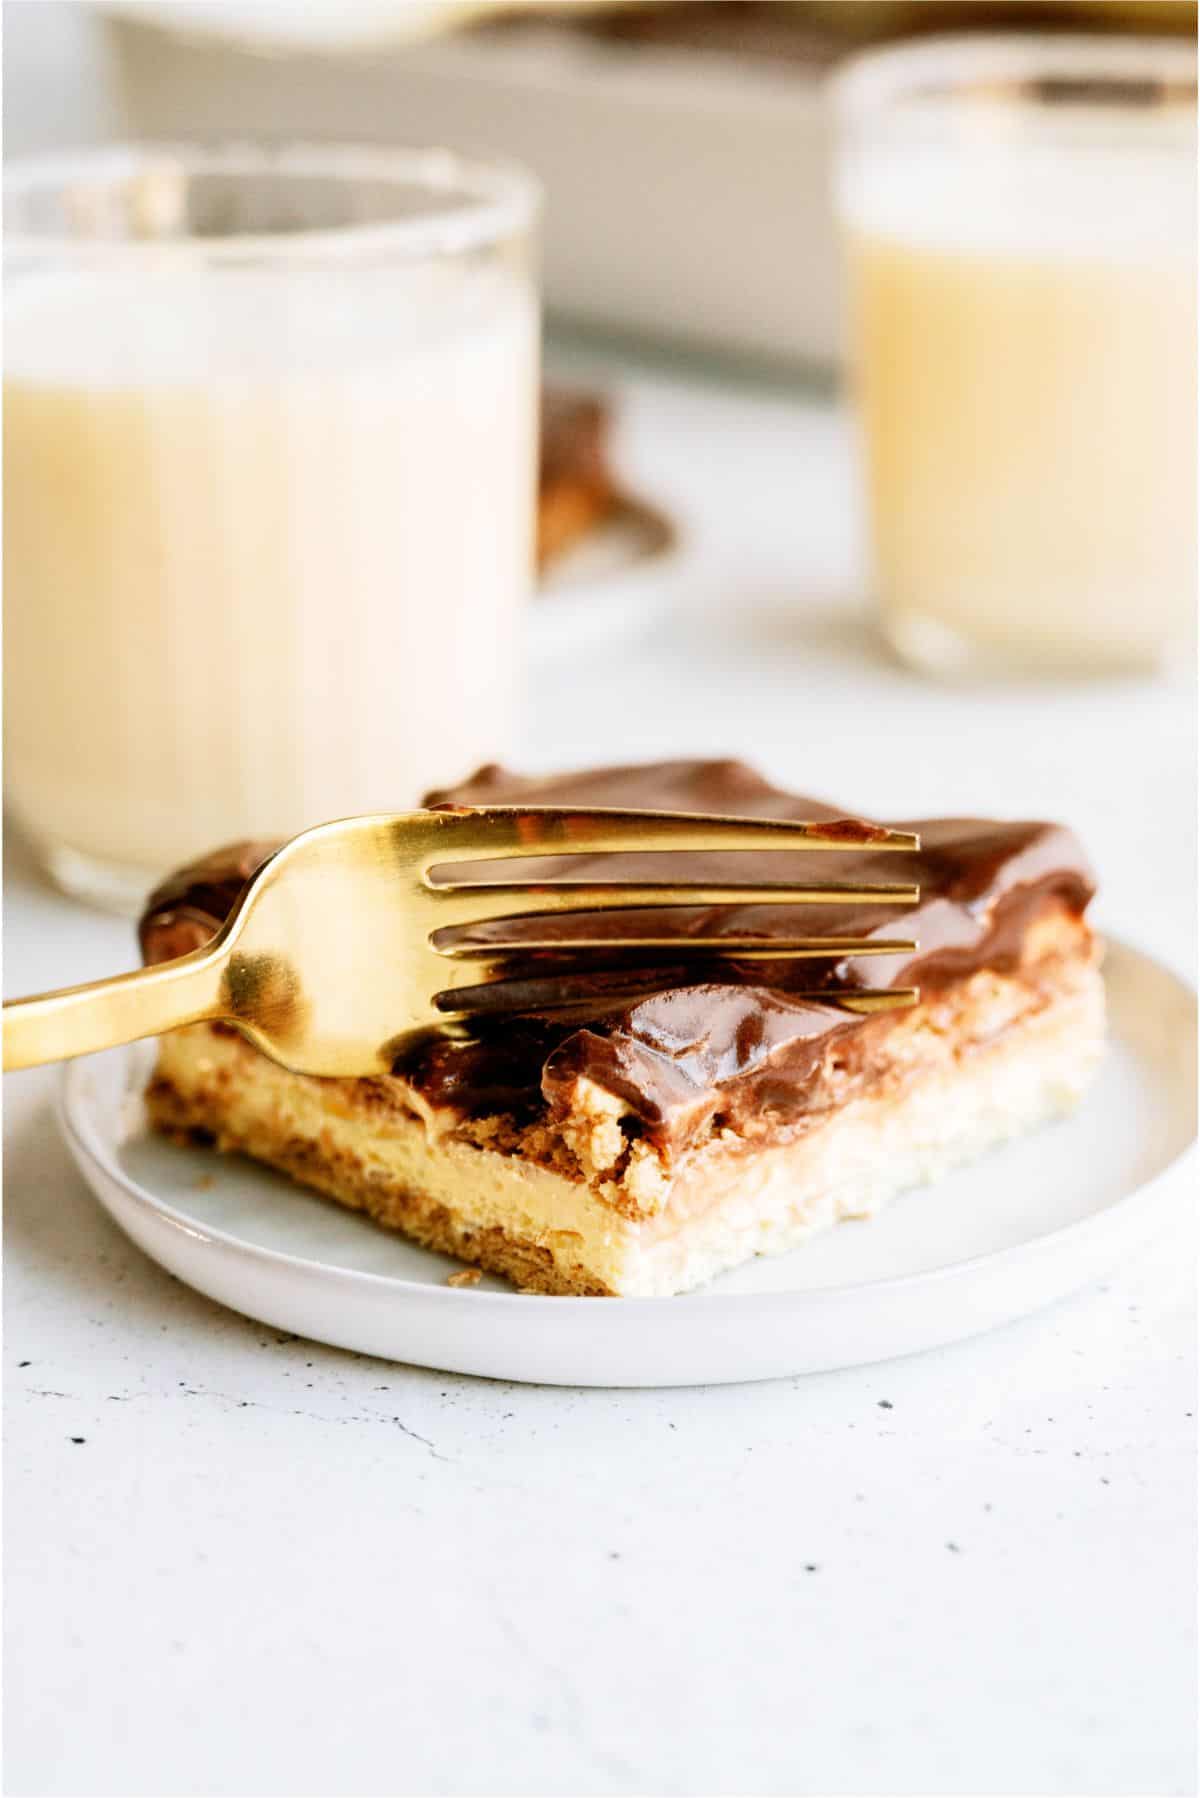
715, 1119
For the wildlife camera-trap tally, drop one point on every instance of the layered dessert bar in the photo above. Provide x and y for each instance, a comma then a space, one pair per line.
654, 1142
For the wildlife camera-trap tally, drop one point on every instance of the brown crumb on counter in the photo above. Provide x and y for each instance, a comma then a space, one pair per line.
466, 1276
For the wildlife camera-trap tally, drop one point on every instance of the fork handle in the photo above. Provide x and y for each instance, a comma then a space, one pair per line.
80, 1019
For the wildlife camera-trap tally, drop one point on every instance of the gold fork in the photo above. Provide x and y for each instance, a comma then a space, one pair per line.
331, 962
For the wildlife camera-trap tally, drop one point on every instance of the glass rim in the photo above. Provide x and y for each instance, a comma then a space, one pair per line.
1022, 72
502, 200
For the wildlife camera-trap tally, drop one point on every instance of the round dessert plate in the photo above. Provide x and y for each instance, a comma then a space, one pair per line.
1035, 1220
606, 588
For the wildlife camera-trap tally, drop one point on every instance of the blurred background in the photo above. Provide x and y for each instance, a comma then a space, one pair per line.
832, 475
685, 146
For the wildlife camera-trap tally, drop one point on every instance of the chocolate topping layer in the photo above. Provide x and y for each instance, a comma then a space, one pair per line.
740, 1047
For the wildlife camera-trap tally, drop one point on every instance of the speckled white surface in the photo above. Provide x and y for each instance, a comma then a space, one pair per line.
240, 1564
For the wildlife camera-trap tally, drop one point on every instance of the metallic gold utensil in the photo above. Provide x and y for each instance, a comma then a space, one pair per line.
331, 962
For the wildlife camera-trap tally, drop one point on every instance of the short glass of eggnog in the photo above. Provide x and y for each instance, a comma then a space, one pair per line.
269, 460
1019, 215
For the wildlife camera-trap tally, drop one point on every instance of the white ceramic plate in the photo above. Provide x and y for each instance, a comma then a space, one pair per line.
1034, 1221
607, 588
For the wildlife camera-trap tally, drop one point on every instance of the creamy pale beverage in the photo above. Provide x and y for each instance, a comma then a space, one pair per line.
1024, 324
268, 536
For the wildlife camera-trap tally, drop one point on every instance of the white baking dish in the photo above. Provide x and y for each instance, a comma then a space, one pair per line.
687, 194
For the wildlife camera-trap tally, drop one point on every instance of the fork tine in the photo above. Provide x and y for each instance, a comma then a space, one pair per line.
482, 972
482, 980
569, 1007
498, 832
744, 947
471, 902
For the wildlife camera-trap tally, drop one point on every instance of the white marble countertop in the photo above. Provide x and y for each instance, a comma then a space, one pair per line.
241, 1564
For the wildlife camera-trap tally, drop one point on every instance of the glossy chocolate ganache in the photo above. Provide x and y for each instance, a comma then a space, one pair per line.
726, 1040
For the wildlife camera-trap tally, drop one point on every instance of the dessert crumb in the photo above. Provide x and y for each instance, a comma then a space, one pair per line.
466, 1276
205, 1183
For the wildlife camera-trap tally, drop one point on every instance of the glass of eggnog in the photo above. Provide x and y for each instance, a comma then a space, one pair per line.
269, 460
1019, 215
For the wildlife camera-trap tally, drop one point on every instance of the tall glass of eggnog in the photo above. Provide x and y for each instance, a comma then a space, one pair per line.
1019, 216
269, 463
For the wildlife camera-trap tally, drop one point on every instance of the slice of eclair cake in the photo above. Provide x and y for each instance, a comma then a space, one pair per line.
666, 1139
